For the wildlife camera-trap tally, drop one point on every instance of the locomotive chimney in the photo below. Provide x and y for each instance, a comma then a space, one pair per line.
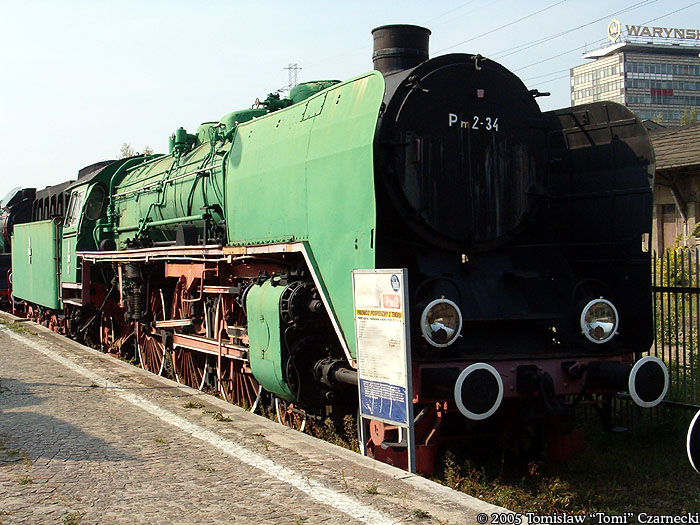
399, 47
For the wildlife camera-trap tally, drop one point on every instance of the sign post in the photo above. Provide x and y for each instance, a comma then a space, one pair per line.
382, 334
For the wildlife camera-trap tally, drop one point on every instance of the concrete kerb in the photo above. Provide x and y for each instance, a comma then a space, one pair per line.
284, 436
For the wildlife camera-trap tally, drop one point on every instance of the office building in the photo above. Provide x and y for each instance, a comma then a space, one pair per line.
653, 71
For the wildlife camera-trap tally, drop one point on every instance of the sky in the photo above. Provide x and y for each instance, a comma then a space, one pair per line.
79, 79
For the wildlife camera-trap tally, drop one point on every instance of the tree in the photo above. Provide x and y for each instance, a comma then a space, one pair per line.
127, 151
689, 116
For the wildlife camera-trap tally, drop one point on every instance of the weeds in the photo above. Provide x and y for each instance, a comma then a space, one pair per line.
24, 479
159, 440
372, 488
218, 416
420, 514
207, 469
73, 518
644, 469
19, 328
193, 404
26, 460
345, 436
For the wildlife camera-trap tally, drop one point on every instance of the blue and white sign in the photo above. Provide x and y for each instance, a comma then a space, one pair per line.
383, 349
395, 283
383, 401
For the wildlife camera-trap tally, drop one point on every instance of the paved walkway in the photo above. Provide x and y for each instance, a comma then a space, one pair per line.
85, 438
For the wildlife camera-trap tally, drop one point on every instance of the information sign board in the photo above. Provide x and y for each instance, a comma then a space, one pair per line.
383, 348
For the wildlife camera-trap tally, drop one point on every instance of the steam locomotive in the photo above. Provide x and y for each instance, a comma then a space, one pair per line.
227, 262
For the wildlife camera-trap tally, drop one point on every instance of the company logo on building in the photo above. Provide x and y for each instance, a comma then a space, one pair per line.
615, 32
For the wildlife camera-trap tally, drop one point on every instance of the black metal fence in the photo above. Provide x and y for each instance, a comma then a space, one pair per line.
676, 288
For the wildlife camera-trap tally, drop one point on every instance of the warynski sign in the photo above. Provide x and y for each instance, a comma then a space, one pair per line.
664, 32
615, 32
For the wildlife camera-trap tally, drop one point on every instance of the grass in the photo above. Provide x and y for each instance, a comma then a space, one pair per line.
643, 470
372, 488
420, 514
73, 518
193, 404
19, 328
344, 436
24, 479
159, 439
207, 469
218, 416
265, 443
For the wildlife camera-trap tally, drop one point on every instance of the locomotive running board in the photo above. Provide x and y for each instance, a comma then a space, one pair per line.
228, 254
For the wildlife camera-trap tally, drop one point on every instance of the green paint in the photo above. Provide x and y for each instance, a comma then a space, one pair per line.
317, 187
167, 188
69, 262
35, 263
265, 338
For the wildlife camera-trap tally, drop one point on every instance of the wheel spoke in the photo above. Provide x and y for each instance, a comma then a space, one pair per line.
151, 349
289, 415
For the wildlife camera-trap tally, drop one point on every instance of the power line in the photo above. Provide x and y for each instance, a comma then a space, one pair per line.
450, 11
553, 79
669, 14
489, 4
528, 45
556, 56
504, 26
546, 75
603, 40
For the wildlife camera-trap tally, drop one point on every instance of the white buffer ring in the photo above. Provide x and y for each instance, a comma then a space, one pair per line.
458, 391
631, 382
691, 443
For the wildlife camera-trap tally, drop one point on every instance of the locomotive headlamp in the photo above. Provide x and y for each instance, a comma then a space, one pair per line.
441, 322
599, 321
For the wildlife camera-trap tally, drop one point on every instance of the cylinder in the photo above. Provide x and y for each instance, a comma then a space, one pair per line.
399, 47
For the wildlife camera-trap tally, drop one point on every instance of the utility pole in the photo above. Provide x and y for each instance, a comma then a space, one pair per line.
293, 70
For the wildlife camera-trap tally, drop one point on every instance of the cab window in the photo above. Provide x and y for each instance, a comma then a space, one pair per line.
74, 207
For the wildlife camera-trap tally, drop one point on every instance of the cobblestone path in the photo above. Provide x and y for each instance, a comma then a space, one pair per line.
85, 438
